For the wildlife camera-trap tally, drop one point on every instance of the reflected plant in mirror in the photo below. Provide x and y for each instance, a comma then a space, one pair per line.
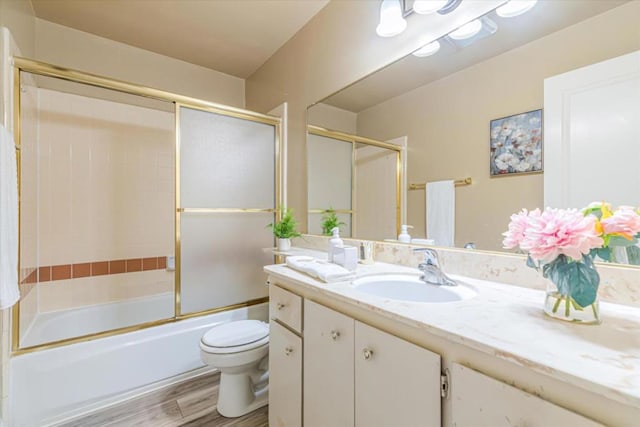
330, 221
620, 231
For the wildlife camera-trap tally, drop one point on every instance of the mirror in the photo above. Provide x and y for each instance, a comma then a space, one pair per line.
443, 105
348, 177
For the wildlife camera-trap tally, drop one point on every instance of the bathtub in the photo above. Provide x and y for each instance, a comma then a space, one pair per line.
49, 386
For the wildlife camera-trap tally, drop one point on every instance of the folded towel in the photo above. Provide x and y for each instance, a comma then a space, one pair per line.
9, 292
323, 270
441, 212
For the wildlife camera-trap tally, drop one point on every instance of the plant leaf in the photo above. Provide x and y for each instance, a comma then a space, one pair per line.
578, 279
603, 253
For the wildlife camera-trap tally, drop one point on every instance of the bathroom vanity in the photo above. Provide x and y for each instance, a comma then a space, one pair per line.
341, 357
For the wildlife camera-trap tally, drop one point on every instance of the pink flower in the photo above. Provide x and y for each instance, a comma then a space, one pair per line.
624, 222
560, 232
517, 227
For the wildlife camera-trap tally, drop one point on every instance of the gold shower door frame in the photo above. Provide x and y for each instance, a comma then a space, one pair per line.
48, 70
354, 140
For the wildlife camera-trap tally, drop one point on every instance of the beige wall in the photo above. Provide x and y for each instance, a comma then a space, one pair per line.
333, 118
337, 47
449, 139
72, 48
19, 18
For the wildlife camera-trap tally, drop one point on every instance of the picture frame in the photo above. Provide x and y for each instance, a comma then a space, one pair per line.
516, 144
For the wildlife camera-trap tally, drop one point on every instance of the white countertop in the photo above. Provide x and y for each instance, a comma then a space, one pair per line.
508, 322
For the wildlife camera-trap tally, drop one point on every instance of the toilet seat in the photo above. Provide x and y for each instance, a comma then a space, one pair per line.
235, 337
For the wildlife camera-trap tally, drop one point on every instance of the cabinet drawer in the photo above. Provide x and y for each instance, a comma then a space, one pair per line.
285, 307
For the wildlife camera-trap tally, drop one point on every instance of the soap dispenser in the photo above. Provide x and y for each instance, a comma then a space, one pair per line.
404, 236
335, 242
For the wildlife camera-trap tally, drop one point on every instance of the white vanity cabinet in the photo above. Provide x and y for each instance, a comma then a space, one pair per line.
481, 401
328, 367
355, 374
285, 359
397, 383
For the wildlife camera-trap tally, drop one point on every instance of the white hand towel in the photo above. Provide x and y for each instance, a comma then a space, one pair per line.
323, 270
9, 292
441, 212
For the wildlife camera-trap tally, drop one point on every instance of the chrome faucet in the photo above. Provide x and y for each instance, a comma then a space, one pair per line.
430, 267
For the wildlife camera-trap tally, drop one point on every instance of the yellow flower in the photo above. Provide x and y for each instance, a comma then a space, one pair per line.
599, 228
606, 210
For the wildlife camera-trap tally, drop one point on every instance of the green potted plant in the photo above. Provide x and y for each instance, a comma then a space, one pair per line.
284, 230
330, 221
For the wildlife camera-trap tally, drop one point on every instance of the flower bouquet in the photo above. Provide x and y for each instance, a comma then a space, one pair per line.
563, 244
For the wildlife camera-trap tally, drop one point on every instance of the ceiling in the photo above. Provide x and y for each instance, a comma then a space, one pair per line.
412, 72
232, 36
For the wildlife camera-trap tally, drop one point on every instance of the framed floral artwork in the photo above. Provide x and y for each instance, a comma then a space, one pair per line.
516, 144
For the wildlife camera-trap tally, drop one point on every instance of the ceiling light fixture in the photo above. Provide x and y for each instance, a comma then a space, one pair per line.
515, 8
391, 21
428, 49
423, 7
489, 27
468, 30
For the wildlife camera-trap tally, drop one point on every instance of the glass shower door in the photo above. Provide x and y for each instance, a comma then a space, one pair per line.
227, 195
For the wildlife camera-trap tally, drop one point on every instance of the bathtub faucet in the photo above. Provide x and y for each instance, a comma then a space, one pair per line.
430, 267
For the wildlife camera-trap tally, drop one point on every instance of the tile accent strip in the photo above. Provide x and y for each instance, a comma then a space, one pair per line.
96, 268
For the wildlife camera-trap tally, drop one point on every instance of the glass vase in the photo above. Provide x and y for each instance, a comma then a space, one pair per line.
564, 307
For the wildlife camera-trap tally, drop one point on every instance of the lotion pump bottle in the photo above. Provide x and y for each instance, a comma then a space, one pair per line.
335, 242
404, 236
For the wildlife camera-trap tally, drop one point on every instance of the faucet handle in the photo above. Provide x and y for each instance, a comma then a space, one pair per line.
430, 256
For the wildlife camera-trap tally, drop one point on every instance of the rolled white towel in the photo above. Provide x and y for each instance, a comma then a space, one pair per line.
323, 270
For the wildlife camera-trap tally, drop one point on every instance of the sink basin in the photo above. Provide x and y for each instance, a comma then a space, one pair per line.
404, 287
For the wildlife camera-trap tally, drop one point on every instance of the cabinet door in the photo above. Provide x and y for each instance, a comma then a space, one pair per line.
285, 377
328, 367
397, 383
479, 401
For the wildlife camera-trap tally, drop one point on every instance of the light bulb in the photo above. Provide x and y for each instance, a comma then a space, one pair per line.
468, 30
428, 49
391, 21
428, 6
515, 8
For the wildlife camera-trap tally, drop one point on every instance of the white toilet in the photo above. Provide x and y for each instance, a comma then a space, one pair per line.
240, 350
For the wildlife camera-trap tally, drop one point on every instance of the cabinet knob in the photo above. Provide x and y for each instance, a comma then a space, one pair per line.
268, 282
335, 335
288, 351
280, 306
367, 353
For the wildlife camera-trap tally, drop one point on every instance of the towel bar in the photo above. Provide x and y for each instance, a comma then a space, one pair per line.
457, 183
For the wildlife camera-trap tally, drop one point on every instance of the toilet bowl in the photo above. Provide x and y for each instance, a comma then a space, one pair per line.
240, 350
